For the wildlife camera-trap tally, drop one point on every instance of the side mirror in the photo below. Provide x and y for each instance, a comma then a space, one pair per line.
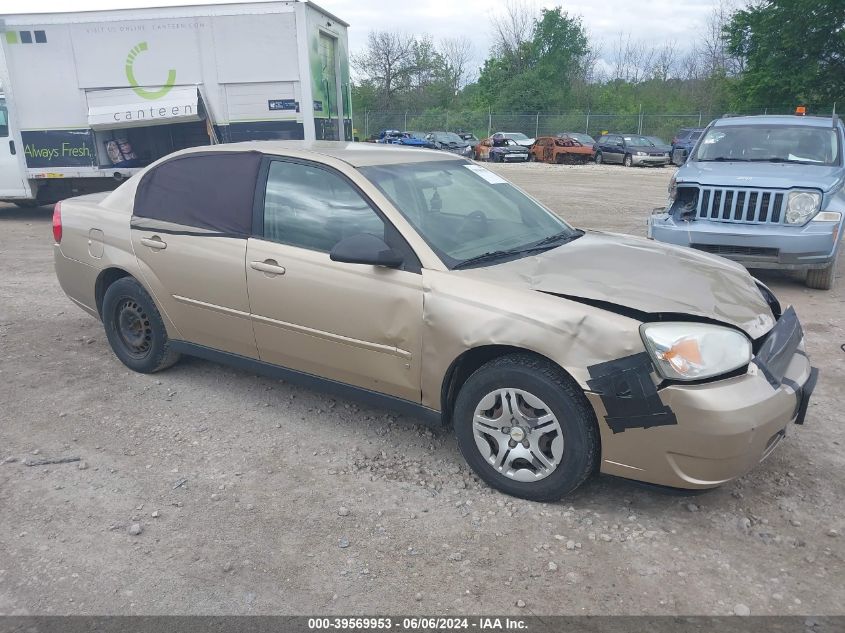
365, 248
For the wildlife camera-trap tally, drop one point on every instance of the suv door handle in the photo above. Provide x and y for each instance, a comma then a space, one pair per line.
269, 267
12, 149
154, 242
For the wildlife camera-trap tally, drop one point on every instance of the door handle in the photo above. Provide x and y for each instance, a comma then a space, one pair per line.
154, 242
268, 267
12, 147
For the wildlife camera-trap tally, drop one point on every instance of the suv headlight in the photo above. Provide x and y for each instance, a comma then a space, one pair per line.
641, 154
692, 351
801, 205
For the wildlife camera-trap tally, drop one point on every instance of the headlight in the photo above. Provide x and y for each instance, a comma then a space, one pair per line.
641, 154
800, 205
692, 351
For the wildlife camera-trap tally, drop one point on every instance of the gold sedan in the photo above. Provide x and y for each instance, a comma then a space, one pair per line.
423, 282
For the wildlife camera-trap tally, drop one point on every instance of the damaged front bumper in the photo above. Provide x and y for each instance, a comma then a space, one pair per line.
703, 435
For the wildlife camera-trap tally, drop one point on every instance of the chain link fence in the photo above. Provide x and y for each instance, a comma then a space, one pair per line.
481, 123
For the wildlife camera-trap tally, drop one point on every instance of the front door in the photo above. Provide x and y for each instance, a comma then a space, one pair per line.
353, 323
13, 181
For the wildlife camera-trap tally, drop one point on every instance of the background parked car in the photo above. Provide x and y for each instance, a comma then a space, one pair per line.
450, 142
395, 137
469, 137
562, 149
683, 143
500, 150
629, 150
519, 137
660, 144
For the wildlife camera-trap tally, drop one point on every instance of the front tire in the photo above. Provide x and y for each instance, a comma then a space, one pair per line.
599, 158
821, 278
628, 161
135, 329
524, 426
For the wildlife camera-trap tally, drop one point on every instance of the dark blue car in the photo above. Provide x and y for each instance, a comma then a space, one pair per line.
683, 143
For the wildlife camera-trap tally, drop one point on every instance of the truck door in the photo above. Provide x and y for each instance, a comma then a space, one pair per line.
13, 181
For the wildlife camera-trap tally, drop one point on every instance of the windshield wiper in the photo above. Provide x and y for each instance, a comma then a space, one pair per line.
723, 159
546, 243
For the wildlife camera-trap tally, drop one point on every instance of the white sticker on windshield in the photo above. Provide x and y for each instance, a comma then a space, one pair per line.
488, 175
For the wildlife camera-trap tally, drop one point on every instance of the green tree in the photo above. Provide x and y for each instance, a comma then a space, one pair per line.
792, 51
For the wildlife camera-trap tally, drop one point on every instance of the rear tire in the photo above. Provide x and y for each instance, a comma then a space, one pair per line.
135, 329
628, 161
599, 158
821, 278
562, 442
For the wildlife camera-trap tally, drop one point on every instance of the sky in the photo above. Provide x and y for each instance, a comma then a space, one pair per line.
655, 21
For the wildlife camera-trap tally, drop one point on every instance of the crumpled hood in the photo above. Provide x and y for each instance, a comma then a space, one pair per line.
764, 175
509, 149
643, 275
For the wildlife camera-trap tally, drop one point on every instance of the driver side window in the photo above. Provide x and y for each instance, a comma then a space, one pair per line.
314, 208
4, 122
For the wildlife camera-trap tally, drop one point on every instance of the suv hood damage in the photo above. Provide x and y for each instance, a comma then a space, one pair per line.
763, 175
641, 275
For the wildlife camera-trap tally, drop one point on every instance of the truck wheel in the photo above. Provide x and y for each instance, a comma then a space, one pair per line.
821, 278
135, 329
524, 426
628, 161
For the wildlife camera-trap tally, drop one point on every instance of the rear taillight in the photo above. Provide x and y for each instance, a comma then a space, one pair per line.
57, 223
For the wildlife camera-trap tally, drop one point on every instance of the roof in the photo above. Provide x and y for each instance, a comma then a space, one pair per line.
781, 119
162, 11
356, 154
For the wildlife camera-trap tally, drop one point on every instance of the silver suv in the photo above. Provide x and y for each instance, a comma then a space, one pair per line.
765, 191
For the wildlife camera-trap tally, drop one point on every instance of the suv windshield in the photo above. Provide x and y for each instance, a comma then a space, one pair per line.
463, 211
517, 136
771, 143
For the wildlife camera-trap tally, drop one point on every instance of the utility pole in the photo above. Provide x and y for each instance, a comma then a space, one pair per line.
489, 122
537, 126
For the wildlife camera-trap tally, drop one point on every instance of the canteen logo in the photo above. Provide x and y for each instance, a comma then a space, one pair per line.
130, 76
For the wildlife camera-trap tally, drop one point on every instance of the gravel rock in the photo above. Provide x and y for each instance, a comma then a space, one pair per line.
343, 542
155, 514
742, 609
570, 545
572, 578
418, 596
456, 556
832, 533
343, 511
135, 529
552, 566
520, 604
692, 507
83, 465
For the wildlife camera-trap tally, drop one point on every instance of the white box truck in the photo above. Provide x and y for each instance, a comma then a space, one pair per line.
91, 97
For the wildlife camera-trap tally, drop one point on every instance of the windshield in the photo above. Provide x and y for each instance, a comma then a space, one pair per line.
584, 139
448, 137
463, 210
771, 143
638, 141
517, 136
656, 140
419, 135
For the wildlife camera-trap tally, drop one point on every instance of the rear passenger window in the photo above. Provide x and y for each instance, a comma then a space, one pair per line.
213, 191
314, 208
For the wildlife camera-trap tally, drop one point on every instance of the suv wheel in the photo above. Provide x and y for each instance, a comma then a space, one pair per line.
135, 329
628, 161
598, 158
526, 428
821, 278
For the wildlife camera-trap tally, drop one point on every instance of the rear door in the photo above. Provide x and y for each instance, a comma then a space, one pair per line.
353, 323
191, 220
13, 181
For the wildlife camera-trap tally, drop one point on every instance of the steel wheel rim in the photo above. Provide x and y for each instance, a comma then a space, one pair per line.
133, 328
518, 435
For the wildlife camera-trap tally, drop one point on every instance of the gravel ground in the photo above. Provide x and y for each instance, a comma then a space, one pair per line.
205, 489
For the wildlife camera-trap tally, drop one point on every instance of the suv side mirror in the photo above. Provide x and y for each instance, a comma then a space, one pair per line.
365, 248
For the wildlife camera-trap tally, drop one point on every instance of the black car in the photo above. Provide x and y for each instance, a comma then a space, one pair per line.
450, 142
629, 150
